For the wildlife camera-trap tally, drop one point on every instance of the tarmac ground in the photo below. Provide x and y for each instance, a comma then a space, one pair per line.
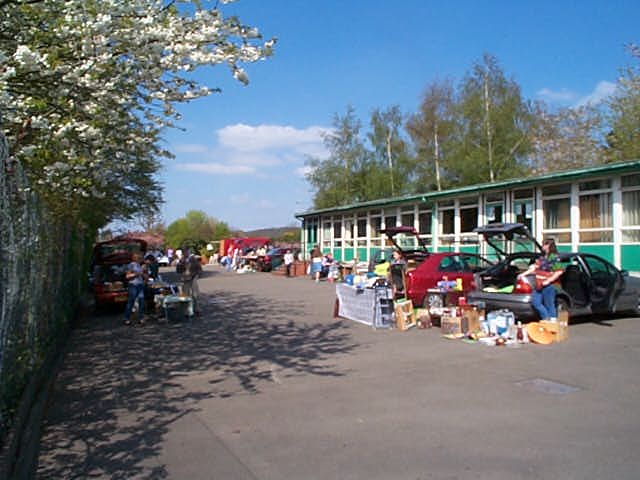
266, 384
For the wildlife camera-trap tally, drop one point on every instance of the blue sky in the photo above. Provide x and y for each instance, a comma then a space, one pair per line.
241, 156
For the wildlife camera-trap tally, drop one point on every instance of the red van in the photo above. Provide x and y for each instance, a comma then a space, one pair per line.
108, 268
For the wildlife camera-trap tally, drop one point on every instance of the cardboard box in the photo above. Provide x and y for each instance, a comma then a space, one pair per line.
450, 325
559, 329
423, 317
405, 316
470, 318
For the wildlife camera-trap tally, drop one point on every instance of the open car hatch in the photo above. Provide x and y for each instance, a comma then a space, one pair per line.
406, 239
506, 238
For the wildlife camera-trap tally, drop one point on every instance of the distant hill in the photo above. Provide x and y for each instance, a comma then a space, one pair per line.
275, 233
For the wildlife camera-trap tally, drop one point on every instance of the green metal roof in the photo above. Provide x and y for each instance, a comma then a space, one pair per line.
553, 177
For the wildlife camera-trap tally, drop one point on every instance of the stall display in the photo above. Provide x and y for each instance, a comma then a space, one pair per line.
371, 306
177, 307
405, 316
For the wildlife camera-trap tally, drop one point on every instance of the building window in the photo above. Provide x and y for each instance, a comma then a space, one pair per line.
408, 219
468, 219
376, 227
494, 208
337, 229
389, 221
326, 236
447, 226
595, 218
557, 213
631, 209
604, 184
556, 190
348, 232
424, 222
524, 193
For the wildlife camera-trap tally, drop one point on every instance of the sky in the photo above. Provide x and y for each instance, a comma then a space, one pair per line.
240, 155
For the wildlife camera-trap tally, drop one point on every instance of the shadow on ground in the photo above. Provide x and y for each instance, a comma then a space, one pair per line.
121, 388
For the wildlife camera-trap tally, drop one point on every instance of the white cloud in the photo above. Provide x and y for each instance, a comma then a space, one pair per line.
268, 137
256, 150
603, 90
265, 204
303, 171
557, 96
190, 148
565, 96
240, 199
217, 168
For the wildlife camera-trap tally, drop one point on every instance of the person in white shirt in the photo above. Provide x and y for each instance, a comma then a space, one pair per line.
288, 262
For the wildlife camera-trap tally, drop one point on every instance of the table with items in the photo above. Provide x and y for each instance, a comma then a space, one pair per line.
369, 305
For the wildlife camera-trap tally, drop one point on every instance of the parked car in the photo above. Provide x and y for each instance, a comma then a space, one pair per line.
589, 284
108, 268
425, 269
271, 260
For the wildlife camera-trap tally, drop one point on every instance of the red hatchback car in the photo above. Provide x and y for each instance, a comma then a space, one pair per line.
108, 268
425, 269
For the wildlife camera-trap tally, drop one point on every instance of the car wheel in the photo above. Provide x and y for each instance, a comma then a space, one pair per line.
433, 300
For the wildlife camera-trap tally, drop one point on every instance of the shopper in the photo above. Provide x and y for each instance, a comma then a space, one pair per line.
288, 262
316, 263
547, 270
190, 280
135, 277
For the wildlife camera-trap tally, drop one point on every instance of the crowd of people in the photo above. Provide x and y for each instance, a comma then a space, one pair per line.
143, 273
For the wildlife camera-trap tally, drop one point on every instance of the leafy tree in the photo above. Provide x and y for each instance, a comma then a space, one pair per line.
624, 138
391, 166
337, 179
86, 87
430, 130
195, 230
493, 128
568, 138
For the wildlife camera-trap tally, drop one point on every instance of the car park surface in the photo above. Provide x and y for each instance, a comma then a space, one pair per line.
266, 384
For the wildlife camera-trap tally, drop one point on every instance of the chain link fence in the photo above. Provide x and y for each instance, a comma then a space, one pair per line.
42, 278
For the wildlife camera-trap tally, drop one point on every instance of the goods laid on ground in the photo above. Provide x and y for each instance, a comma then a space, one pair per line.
373, 304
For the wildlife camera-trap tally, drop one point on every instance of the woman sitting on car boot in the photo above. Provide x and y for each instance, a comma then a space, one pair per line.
547, 270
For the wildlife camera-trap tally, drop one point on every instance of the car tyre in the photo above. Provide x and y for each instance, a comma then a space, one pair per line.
433, 300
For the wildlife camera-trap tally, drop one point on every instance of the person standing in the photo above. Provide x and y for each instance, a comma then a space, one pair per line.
135, 277
288, 262
316, 263
547, 270
396, 273
190, 280
152, 266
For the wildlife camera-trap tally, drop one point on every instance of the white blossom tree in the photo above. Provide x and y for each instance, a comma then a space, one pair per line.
87, 87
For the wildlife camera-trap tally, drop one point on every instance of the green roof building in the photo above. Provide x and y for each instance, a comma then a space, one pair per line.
594, 209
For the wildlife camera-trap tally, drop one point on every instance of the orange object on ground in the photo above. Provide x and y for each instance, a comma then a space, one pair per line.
538, 334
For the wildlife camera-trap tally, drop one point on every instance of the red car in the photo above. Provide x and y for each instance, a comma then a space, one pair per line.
425, 269
108, 268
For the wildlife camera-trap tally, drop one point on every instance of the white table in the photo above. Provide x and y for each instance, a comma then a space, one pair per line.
183, 305
371, 306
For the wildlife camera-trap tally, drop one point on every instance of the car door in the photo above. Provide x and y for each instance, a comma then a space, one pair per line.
605, 282
575, 282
